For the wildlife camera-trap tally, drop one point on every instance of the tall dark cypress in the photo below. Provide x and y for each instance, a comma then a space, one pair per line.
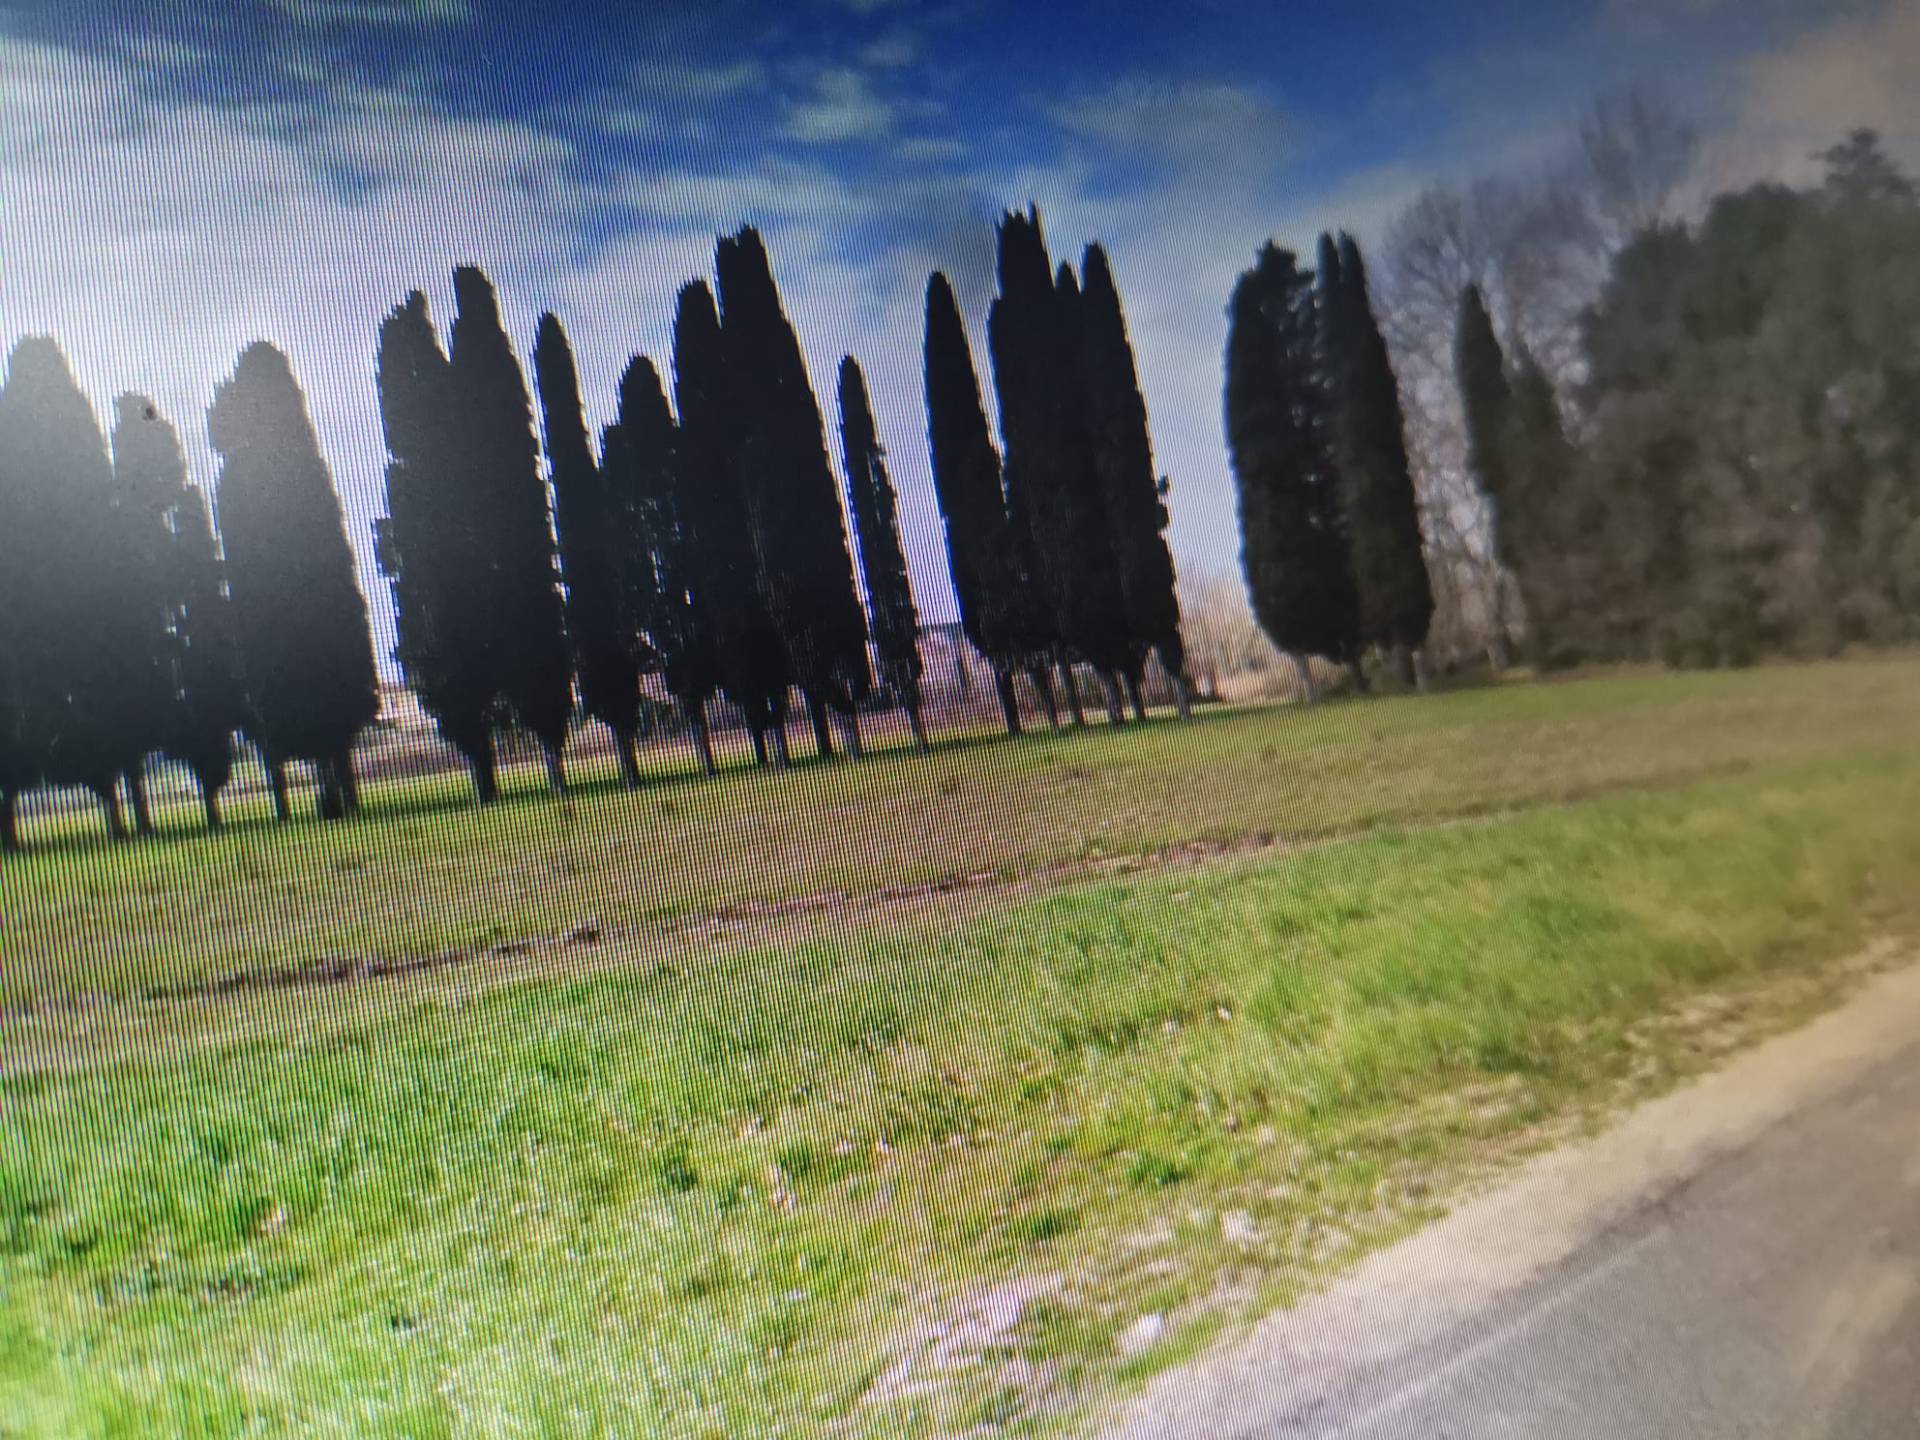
1370, 450
84, 641
640, 455
1123, 456
300, 623
1487, 405
1292, 520
1053, 498
1099, 629
997, 609
433, 546
600, 545
793, 502
499, 455
752, 660
199, 701
895, 621
149, 483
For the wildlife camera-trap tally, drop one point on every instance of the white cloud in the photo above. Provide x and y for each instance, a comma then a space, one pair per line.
842, 106
1214, 127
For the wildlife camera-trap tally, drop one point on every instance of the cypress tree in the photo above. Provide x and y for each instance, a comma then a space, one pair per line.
1369, 445
1486, 403
641, 457
1099, 630
300, 623
752, 661
83, 645
501, 460
997, 609
199, 702
432, 544
876, 525
793, 502
149, 484
1052, 489
1135, 502
599, 545
1292, 523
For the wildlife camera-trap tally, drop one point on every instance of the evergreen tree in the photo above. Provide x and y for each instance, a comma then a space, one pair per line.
1123, 454
199, 703
1101, 632
997, 609
876, 525
751, 659
432, 544
1486, 404
300, 622
1394, 591
83, 645
500, 458
149, 483
792, 500
1292, 520
641, 457
599, 547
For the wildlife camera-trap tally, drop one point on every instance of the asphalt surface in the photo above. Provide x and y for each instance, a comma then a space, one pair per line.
1741, 1261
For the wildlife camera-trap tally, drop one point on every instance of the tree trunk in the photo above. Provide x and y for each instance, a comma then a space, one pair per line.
1134, 697
1043, 683
1309, 692
758, 733
1403, 666
850, 734
1420, 670
1357, 673
277, 782
1074, 708
1182, 695
556, 769
137, 793
1116, 711
329, 796
778, 735
109, 798
209, 801
1009, 702
486, 771
349, 781
702, 735
822, 735
627, 750
919, 729
9, 823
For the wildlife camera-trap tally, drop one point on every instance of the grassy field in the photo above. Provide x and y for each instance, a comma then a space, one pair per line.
424, 873
908, 1176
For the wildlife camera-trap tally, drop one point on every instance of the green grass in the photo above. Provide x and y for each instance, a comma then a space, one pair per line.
724, 1192
425, 874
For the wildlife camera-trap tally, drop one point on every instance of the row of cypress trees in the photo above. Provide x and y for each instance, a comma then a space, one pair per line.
703, 542
1330, 523
126, 630
1058, 548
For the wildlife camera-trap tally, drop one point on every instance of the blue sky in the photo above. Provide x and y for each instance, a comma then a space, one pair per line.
178, 180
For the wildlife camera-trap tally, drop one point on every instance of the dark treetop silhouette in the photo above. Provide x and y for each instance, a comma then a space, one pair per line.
793, 504
601, 553
883, 565
300, 622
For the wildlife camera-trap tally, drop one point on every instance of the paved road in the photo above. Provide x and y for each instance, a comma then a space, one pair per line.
1753, 1272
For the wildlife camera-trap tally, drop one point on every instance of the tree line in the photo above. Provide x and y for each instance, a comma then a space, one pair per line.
1713, 459
536, 575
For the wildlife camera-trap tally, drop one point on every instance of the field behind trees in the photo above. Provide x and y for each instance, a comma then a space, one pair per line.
891, 1098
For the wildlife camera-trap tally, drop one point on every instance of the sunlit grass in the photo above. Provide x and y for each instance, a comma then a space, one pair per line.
424, 873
